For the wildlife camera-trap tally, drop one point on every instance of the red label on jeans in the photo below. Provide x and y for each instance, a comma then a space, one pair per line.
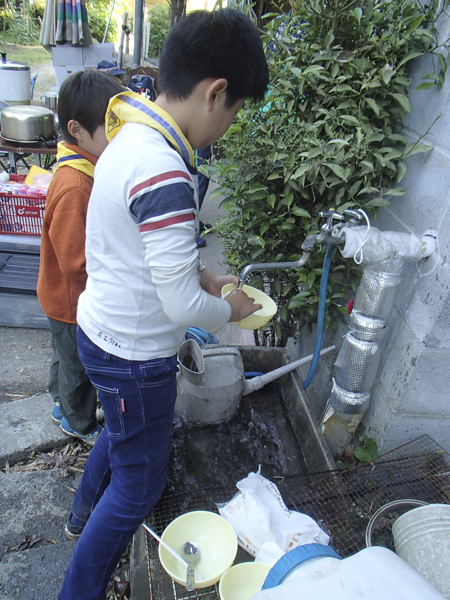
122, 405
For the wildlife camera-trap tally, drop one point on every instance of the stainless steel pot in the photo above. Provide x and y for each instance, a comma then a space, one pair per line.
28, 124
15, 81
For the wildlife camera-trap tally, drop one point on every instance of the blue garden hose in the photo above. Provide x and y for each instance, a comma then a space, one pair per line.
321, 314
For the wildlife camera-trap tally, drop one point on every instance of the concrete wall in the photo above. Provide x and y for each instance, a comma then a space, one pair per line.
411, 396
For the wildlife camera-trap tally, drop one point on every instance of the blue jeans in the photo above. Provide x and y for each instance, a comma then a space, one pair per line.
126, 472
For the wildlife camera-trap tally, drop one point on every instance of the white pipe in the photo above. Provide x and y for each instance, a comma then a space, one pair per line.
386, 246
251, 385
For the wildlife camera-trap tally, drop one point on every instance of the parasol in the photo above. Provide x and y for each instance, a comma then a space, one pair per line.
65, 22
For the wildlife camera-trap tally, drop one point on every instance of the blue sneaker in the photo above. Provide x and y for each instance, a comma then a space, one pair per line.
56, 413
87, 438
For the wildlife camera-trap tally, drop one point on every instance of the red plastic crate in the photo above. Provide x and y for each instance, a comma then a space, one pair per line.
21, 215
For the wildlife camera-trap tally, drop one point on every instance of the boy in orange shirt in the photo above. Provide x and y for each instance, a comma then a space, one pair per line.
83, 100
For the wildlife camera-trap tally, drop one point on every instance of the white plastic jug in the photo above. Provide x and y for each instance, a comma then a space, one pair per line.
373, 573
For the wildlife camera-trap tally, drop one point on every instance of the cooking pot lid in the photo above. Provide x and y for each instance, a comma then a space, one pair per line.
25, 111
9, 65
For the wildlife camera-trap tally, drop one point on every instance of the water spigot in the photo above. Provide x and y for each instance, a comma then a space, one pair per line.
330, 215
270, 267
325, 237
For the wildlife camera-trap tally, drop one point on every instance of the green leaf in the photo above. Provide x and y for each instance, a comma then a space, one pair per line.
310, 279
300, 171
290, 161
334, 69
386, 73
271, 200
256, 240
355, 187
350, 119
409, 57
357, 13
426, 85
296, 71
312, 69
300, 212
368, 451
273, 176
373, 105
219, 191
379, 202
337, 170
339, 141
403, 101
289, 199
401, 171
415, 148
415, 24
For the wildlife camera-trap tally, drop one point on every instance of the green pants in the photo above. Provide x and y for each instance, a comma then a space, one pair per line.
68, 383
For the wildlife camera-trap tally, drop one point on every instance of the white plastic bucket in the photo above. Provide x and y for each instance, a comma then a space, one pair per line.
422, 539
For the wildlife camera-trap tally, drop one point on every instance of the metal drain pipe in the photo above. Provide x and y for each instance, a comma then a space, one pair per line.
382, 255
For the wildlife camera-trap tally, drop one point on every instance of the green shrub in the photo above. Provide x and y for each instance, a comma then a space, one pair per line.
98, 12
20, 20
159, 17
328, 135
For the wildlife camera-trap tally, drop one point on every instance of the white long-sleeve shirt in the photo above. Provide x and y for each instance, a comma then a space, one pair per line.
143, 287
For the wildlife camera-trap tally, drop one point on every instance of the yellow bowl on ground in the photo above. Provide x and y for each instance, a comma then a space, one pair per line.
215, 538
243, 581
261, 316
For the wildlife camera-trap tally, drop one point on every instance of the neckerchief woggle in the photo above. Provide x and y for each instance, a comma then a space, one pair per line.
129, 107
69, 158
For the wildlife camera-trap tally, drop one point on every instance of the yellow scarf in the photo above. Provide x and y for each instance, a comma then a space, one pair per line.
129, 107
69, 158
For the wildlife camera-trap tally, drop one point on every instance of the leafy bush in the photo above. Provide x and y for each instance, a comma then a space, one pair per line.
159, 17
328, 135
98, 12
20, 20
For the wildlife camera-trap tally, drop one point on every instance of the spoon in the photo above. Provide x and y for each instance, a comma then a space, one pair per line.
191, 554
167, 547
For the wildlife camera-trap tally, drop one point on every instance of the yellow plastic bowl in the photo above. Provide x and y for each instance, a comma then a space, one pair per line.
243, 581
215, 538
261, 316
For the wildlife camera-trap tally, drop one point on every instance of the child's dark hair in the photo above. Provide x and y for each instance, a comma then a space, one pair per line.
221, 43
84, 97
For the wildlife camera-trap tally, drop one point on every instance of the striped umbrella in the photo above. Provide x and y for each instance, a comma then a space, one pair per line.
65, 22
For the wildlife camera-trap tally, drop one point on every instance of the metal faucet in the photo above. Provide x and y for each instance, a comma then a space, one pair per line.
325, 237
271, 266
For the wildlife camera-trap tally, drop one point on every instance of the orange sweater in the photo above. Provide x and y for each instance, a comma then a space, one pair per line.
62, 270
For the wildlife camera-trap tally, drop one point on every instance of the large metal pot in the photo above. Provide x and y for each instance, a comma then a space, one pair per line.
15, 81
28, 124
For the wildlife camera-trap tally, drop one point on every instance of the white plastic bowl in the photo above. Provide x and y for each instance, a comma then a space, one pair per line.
215, 538
243, 581
261, 316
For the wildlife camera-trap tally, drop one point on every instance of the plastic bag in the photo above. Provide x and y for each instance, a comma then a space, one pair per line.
263, 522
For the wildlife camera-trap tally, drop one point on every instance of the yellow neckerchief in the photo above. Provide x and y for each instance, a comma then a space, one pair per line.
68, 158
129, 107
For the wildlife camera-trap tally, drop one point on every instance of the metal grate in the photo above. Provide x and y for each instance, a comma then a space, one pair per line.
342, 503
